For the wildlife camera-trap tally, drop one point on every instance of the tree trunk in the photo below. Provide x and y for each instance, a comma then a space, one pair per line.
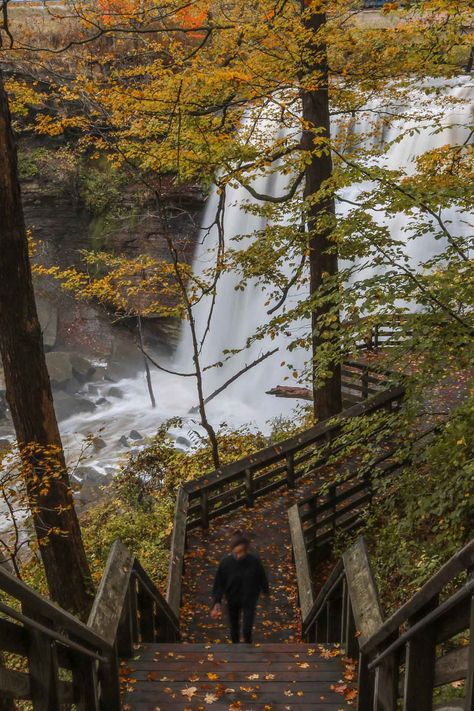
323, 255
29, 396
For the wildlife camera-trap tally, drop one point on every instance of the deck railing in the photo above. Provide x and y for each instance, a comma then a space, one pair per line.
403, 659
54, 661
281, 465
425, 644
338, 508
239, 484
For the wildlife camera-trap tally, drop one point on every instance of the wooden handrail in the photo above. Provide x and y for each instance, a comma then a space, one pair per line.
127, 609
240, 483
461, 561
398, 657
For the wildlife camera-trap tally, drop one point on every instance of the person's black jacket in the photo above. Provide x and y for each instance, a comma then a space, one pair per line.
240, 581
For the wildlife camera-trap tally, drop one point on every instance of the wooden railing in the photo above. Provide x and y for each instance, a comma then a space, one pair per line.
347, 610
388, 332
281, 465
51, 659
360, 381
241, 483
415, 650
338, 508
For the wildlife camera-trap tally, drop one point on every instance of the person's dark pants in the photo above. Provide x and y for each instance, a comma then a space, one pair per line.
246, 611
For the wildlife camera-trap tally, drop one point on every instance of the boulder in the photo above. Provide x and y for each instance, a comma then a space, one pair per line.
59, 367
98, 443
67, 405
48, 317
82, 369
134, 434
124, 442
114, 391
91, 475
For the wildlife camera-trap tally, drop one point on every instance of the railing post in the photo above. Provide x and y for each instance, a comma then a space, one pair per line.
365, 383
248, 481
469, 698
386, 684
333, 507
125, 639
376, 335
147, 615
43, 668
85, 679
420, 660
109, 684
290, 470
365, 685
204, 500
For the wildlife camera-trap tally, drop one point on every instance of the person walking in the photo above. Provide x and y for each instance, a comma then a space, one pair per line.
240, 578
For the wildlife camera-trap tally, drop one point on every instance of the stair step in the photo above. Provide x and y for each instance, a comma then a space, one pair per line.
267, 677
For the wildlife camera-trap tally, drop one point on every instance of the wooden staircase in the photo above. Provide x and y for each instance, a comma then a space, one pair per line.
244, 677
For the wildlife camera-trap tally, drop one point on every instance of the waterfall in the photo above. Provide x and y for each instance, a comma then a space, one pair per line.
238, 314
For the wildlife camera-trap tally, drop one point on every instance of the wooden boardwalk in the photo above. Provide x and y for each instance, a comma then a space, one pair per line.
270, 677
278, 618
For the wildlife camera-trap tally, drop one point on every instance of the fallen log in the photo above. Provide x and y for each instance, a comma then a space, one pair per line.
291, 391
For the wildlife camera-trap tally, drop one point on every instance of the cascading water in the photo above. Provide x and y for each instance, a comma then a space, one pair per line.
238, 314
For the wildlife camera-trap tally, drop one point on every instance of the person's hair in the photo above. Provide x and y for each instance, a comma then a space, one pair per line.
239, 538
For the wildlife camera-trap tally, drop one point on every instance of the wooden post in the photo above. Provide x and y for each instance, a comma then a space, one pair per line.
469, 698
303, 574
365, 685
365, 383
43, 671
333, 509
125, 639
420, 660
249, 487
147, 616
109, 692
386, 685
290, 470
204, 509
86, 683
178, 546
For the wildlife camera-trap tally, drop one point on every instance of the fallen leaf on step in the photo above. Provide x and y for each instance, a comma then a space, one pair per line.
189, 692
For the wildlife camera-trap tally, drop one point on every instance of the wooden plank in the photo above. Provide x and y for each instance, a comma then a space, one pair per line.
109, 601
178, 547
303, 573
14, 684
14, 637
420, 659
48, 610
362, 591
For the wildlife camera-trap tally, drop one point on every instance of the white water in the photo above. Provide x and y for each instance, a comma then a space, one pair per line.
238, 314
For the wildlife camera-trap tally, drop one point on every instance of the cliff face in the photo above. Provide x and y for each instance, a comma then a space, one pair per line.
69, 208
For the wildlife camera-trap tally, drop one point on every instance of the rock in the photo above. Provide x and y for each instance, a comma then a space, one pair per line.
102, 401
4, 444
91, 475
93, 389
124, 442
98, 374
98, 443
82, 369
114, 391
48, 316
135, 435
59, 367
67, 405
